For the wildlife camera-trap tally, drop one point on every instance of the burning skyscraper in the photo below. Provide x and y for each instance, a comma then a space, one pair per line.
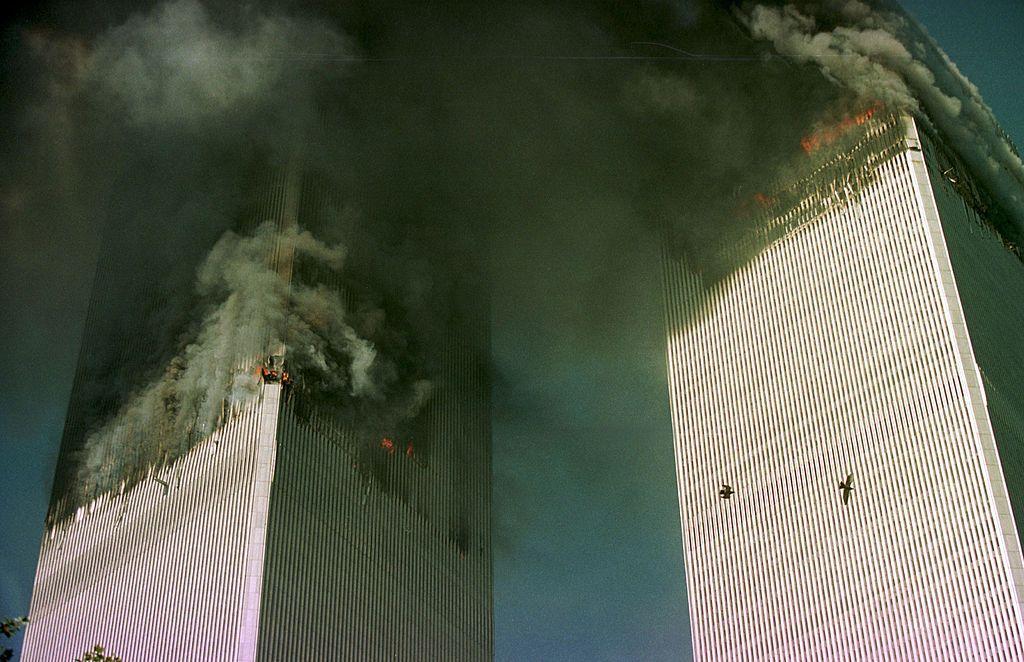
281, 488
847, 413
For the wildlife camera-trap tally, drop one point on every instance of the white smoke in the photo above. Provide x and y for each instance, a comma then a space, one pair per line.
879, 53
176, 65
253, 310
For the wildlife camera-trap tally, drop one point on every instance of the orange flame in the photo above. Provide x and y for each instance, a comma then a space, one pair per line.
388, 445
828, 135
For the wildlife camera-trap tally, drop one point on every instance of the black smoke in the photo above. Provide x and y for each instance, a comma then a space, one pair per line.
442, 135
533, 155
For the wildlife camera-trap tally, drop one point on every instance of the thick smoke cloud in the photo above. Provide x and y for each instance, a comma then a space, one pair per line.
453, 136
879, 53
176, 65
532, 155
145, 138
250, 306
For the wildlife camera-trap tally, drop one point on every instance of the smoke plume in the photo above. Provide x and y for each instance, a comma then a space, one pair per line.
176, 65
470, 145
251, 310
879, 53
531, 156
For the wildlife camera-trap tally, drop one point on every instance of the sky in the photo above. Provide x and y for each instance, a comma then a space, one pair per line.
588, 562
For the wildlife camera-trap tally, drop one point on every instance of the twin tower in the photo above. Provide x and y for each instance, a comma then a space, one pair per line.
873, 333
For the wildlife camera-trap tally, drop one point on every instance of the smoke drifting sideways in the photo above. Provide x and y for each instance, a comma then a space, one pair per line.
451, 135
251, 307
878, 52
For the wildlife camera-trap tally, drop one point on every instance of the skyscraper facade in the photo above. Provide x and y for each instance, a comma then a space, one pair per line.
288, 531
846, 408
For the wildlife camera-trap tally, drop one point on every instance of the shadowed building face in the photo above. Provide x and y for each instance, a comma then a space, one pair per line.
288, 521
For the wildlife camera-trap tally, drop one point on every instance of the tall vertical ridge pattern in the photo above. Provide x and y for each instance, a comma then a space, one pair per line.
841, 349
283, 533
378, 557
154, 572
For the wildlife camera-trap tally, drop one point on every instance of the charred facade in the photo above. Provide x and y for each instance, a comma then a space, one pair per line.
303, 522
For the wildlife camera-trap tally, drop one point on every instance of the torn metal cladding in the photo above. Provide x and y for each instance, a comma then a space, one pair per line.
293, 530
836, 177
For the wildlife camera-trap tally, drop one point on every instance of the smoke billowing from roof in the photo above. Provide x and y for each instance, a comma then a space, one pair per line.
878, 52
470, 145
249, 306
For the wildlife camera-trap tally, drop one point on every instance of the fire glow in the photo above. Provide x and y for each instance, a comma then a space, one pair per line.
828, 135
388, 445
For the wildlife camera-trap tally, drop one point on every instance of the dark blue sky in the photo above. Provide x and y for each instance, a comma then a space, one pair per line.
984, 40
594, 570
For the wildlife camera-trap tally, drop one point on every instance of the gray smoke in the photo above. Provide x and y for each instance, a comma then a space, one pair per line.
251, 310
542, 152
879, 53
177, 66
473, 145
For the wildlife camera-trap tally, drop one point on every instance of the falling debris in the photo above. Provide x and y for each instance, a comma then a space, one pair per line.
726, 491
846, 487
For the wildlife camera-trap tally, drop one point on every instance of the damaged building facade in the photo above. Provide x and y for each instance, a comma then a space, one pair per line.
847, 416
288, 531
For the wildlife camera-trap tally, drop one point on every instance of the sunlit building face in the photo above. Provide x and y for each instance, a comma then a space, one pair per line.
847, 419
287, 531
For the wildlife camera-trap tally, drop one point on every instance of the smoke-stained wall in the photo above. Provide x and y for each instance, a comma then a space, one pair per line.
380, 547
437, 134
379, 526
454, 129
142, 309
103, 573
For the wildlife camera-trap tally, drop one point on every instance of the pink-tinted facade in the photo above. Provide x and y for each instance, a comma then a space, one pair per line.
166, 570
286, 534
871, 337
